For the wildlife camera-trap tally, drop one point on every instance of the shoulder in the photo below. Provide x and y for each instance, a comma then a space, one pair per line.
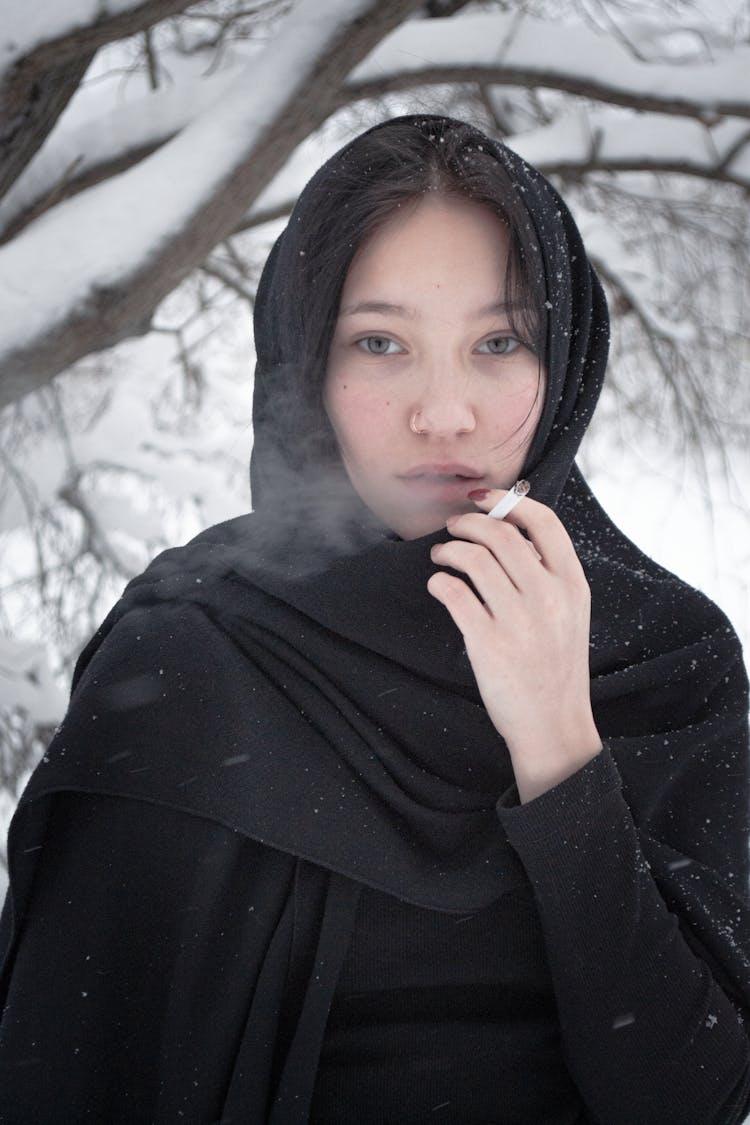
156, 687
640, 609
149, 695
142, 654
178, 600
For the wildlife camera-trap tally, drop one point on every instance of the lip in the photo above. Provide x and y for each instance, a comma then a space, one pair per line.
441, 483
446, 471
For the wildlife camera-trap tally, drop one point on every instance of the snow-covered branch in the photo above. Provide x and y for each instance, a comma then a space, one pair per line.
506, 50
109, 141
488, 48
578, 143
129, 257
46, 51
594, 142
26, 681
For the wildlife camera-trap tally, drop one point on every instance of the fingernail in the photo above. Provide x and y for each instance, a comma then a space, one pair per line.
479, 494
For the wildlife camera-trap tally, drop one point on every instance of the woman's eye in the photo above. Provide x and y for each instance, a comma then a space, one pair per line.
378, 345
499, 345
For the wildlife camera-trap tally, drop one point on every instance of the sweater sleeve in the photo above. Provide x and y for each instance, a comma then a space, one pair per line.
648, 1032
123, 920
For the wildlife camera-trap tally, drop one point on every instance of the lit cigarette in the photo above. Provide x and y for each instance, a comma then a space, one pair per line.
509, 501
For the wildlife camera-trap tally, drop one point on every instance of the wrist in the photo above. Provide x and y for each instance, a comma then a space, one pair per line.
544, 756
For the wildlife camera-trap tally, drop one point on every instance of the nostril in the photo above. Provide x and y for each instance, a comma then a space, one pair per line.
445, 418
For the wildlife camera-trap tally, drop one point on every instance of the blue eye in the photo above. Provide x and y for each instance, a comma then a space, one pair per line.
378, 345
499, 345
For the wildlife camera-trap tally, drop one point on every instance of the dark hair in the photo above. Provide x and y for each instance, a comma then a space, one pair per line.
396, 163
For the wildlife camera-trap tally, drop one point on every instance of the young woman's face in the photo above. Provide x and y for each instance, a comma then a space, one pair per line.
429, 393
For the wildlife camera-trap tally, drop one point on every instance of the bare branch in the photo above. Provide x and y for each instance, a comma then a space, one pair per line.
230, 280
648, 162
151, 60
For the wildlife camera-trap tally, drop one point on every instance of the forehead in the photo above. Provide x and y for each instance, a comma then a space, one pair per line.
435, 242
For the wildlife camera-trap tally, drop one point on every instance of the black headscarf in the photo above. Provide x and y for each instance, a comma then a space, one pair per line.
287, 410
339, 719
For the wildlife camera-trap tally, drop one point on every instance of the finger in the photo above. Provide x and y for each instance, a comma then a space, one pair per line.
496, 557
469, 615
517, 555
545, 531
481, 565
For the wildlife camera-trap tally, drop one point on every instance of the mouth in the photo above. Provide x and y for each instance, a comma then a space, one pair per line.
441, 483
442, 473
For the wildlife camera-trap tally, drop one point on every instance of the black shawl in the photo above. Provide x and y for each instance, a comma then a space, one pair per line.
288, 676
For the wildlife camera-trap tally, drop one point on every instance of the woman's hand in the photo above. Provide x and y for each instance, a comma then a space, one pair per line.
526, 635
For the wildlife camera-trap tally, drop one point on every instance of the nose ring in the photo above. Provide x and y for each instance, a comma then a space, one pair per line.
414, 424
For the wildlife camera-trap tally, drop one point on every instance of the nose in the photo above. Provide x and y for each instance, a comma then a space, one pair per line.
443, 408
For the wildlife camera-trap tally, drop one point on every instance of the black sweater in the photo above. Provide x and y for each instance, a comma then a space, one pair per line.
574, 999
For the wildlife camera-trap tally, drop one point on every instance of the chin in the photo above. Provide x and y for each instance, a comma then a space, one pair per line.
417, 524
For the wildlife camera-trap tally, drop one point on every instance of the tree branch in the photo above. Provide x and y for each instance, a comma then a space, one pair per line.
246, 140
540, 53
35, 88
584, 143
142, 129
594, 141
76, 158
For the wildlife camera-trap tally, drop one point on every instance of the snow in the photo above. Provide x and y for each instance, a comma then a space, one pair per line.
91, 134
639, 142
283, 189
102, 237
29, 25
125, 441
635, 279
118, 514
26, 681
560, 54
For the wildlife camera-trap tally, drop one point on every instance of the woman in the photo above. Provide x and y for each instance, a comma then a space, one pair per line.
340, 825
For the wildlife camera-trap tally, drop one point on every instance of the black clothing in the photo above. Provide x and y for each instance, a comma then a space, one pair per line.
275, 742
201, 725
484, 1045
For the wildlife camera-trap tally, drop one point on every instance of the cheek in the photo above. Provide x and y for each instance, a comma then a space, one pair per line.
518, 414
359, 416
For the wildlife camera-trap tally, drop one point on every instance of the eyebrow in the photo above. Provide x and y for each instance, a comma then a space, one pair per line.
379, 307
385, 307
